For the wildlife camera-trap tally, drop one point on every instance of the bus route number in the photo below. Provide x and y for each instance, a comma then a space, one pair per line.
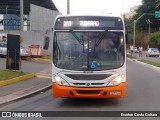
67, 23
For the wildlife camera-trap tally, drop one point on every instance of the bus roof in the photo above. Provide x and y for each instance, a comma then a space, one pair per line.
97, 15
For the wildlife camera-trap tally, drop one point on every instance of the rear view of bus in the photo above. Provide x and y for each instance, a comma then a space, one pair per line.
89, 57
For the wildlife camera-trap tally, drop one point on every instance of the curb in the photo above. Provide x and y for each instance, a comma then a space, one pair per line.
17, 79
148, 65
26, 95
42, 60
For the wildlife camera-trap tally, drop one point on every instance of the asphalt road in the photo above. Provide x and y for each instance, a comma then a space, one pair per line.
142, 95
28, 66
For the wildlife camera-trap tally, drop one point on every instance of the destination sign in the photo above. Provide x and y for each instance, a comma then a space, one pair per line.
88, 23
81, 23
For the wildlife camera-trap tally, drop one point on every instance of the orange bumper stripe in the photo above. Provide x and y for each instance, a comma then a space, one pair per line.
82, 92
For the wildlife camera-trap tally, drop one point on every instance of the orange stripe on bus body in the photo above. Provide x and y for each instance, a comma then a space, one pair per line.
90, 92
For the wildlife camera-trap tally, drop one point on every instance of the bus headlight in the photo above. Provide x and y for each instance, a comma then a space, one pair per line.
60, 81
116, 81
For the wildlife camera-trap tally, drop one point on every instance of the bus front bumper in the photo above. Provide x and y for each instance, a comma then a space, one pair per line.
82, 92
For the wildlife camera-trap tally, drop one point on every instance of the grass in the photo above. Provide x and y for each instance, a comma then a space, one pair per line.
130, 56
8, 74
48, 57
150, 62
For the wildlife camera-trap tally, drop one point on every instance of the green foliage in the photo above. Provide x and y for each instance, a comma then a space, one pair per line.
148, 6
46, 57
150, 62
128, 25
8, 74
155, 40
141, 39
142, 25
131, 57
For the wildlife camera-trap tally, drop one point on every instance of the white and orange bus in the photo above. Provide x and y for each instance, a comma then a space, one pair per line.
89, 59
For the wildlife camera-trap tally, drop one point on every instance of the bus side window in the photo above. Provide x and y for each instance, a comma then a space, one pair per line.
46, 43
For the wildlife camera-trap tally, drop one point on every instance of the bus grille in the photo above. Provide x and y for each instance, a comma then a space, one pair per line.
79, 83
88, 77
97, 83
85, 84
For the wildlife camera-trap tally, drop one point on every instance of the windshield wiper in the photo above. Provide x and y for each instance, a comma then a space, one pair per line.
56, 46
101, 37
77, 38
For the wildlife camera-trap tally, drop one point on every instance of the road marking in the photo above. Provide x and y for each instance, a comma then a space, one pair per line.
46, 73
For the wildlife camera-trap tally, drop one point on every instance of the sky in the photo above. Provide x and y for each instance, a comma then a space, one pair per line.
96, 6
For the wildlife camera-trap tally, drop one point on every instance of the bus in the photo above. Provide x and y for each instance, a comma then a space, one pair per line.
89, 57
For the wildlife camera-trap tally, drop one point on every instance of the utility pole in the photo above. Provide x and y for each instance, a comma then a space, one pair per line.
68, 7
134, 37
149, 29
135, 25
6, 17
21, 14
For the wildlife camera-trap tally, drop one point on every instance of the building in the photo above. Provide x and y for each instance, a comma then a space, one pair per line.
38, 16
131, 13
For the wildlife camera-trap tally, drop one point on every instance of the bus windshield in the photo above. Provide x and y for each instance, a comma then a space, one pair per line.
88, 50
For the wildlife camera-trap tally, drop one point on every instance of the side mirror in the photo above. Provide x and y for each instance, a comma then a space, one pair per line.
46, 43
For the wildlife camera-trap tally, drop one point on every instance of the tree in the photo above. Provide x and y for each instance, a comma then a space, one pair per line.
142, 25
157, 3
148, 6
155, 40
